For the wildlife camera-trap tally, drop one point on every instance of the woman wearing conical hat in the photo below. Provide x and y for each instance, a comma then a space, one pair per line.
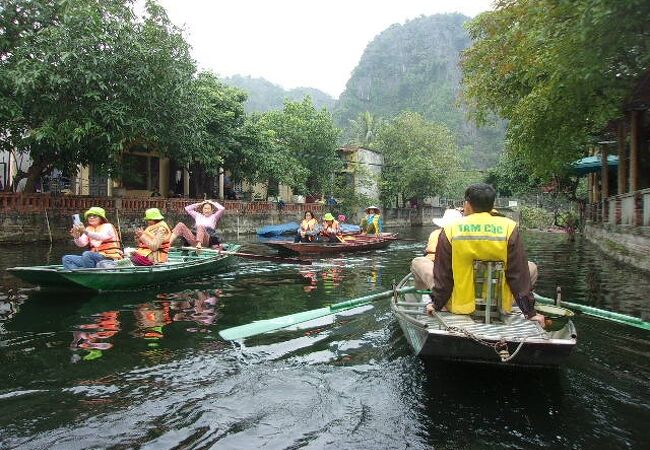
372, 223
99, 236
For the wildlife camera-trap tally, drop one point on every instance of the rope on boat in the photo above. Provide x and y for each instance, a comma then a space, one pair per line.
500, 347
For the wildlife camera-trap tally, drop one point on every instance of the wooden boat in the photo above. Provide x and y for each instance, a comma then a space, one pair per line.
353, 243
510, 340
181, 264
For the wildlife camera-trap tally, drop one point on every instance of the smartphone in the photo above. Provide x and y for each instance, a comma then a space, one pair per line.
76, 220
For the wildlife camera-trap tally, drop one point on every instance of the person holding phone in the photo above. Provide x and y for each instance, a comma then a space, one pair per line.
99, 236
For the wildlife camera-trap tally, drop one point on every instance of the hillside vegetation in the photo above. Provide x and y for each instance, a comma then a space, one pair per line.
265, 96
415, 67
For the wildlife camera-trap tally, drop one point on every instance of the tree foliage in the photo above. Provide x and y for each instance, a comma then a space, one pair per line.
557, 70
81, 80
418, 158
364, 129
305, 137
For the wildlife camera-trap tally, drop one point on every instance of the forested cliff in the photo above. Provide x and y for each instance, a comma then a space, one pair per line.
415, 66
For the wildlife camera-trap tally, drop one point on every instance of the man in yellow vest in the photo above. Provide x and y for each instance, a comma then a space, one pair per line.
479, 235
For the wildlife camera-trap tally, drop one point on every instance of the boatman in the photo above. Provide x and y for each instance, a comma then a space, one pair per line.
481, 236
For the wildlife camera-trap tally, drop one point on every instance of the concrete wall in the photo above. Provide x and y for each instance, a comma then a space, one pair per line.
630, 245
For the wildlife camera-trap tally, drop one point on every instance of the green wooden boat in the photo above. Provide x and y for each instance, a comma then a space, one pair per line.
181, 264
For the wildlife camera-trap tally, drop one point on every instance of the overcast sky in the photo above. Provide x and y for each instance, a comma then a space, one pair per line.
296, 42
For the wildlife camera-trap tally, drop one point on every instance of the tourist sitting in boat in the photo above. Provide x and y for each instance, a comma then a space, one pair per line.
101, 238
330, 230
372, 223
206, 216
308, 229
422, 266
481, 236
153, 241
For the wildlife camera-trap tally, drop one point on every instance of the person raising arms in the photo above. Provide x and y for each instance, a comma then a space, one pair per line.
207, 215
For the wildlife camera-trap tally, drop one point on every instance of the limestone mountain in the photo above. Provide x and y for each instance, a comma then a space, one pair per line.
415, 66
265, 96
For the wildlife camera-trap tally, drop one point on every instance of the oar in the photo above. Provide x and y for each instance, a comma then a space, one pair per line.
264, 326
600, 313
251, 256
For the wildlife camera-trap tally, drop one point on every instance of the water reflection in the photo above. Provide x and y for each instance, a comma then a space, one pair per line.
194, 306
94, 337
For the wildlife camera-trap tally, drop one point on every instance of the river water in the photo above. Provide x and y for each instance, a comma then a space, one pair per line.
148, 370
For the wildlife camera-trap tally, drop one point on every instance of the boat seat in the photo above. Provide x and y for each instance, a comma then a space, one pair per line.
488, 279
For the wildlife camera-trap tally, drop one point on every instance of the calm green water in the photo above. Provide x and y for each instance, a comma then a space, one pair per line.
148, 370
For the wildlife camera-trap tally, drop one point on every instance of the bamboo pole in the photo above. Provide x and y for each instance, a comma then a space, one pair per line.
49, 230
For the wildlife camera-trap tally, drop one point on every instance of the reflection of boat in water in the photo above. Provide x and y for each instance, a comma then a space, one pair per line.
355, 243
181, 264
491, 337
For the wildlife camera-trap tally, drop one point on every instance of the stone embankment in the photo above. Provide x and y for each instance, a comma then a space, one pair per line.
628, 244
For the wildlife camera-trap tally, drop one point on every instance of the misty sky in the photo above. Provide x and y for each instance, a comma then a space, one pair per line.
296, 42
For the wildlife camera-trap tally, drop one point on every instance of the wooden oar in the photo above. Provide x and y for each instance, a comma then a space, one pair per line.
596, 312
264, 326
279, 259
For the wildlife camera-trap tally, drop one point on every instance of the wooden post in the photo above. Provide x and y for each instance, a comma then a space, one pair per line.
622, 158
634, 151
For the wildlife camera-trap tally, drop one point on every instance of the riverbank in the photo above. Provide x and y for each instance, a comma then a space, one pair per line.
627, 244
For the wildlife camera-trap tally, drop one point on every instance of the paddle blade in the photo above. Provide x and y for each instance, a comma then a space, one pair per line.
265, 326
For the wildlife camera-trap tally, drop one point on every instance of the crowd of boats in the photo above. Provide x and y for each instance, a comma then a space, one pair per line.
487, 327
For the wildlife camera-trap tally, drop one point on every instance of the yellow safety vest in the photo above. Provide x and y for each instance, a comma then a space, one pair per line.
482, 237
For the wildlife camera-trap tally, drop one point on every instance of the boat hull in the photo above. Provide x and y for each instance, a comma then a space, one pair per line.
323, 248
122, 278
430, 338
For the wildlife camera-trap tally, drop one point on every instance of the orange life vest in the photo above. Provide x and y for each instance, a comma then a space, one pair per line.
159, 255
110, 248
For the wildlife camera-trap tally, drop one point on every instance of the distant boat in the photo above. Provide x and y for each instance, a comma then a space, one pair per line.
354, 243
181, 264
510, 339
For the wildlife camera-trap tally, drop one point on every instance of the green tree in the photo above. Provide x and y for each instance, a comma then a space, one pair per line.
419, 157
307, 137
557, 70
364, 129
83, 80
